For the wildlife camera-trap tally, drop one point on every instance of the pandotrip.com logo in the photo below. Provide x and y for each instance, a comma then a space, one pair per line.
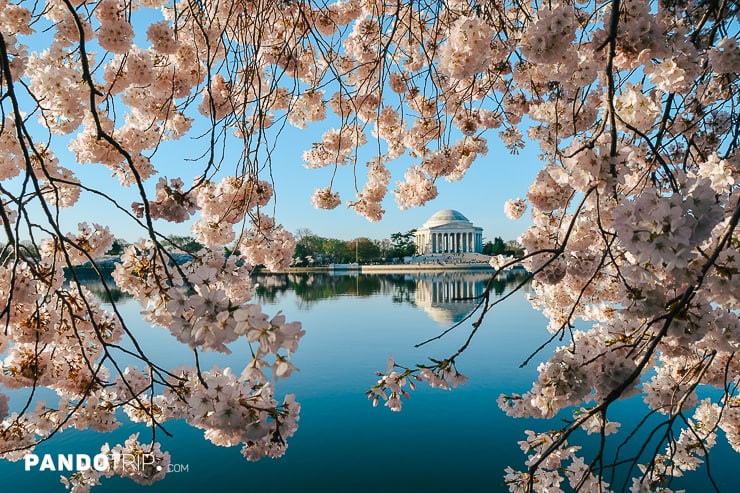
117, 462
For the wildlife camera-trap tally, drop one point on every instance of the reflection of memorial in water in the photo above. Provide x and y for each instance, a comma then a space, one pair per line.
448, 296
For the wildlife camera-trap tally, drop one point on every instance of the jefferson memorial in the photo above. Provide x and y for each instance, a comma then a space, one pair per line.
448, 231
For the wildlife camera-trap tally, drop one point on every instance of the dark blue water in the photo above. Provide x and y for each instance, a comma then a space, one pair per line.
442, 441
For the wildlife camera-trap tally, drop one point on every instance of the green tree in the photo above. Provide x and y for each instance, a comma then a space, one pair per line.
338, 251
500, 247
366, 250
495, 247
403, 244
119, 245
514, 248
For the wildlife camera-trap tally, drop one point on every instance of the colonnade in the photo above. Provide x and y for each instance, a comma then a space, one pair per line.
451, 242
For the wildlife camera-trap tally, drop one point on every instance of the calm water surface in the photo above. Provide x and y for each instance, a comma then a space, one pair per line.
442, 441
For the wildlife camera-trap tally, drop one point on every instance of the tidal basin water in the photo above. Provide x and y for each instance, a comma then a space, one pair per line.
442, 441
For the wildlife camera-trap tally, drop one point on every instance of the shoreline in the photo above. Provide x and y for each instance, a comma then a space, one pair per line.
387, 268
415, 267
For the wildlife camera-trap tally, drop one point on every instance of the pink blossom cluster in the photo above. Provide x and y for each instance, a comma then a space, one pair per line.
417, 188
308, 107
515, 208
453, 162
468, 47
391, 386
227, 203
216, 313
73, 331
369, 200
80, 248
668, 76
217, 100
11, 163
324, 198
661, 232
115, 33
231, 410
720, 172
546, 194
171, 203
636, 108
125, 461
548, 477
55, 79
336, 147
548, 38
266, 243
725, 57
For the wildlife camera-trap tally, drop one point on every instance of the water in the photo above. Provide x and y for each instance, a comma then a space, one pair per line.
442, 441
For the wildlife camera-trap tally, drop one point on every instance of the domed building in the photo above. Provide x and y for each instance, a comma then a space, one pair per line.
448, 231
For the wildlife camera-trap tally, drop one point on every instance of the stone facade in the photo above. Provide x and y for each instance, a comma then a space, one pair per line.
448, 231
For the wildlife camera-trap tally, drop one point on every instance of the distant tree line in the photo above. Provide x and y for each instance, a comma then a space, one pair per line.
176, 244
312, 249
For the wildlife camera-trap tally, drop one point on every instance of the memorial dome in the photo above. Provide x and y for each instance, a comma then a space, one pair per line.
446, 216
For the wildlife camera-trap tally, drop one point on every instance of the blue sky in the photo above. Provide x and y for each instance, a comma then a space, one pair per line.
480, 195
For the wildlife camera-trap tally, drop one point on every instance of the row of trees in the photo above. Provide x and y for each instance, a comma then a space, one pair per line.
177, 243
312, 249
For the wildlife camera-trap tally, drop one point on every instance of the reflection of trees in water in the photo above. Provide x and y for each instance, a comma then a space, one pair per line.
92, 280
96, 287
401, 288
508, 279
313, 287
